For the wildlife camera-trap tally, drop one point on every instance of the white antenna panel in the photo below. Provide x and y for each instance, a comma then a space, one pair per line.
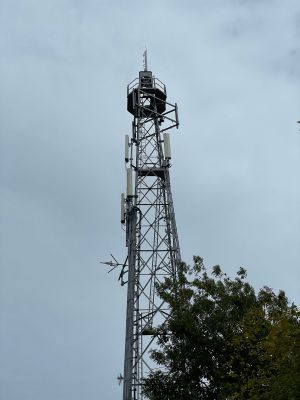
129, 182
167, 146
126, 148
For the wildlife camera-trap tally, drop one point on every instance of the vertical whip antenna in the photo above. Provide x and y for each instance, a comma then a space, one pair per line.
145, 63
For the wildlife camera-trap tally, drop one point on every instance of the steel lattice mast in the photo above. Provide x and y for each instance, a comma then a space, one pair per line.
148, 213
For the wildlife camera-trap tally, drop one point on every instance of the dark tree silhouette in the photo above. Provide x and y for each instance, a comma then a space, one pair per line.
225, 342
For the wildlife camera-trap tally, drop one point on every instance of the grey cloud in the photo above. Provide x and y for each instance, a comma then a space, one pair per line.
235, 175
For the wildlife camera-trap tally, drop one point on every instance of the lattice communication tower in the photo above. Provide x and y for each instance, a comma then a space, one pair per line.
147, 213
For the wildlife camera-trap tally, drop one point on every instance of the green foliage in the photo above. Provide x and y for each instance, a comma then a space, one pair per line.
225, 342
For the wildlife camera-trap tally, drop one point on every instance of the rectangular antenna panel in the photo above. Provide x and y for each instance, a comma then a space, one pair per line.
167, 146
122, 208
129, 182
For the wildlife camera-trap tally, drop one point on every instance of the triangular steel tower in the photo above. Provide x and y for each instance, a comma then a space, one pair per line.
148, 214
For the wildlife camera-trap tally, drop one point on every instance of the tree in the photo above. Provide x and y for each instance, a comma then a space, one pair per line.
223, 341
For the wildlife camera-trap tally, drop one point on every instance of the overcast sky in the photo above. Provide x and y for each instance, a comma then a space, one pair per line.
233, 67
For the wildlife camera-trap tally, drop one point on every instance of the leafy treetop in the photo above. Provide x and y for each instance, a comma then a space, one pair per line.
223, 341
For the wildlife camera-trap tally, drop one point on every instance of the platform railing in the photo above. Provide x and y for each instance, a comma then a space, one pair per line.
156, 84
